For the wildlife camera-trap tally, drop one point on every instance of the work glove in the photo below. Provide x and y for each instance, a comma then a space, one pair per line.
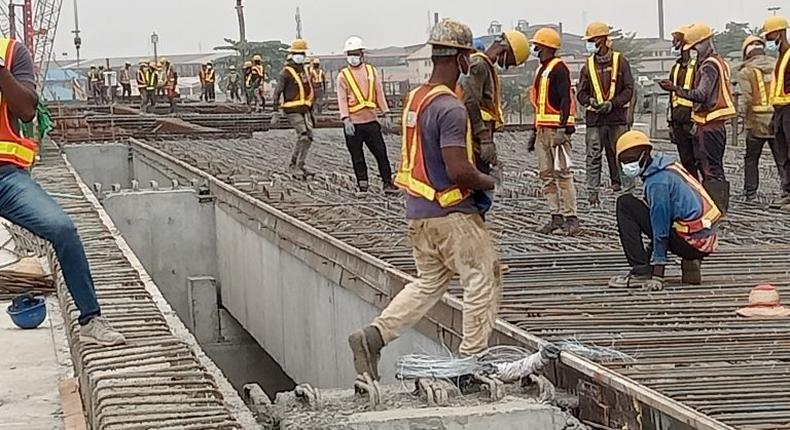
496, 173
654, 284
605, 107
594, 103
275, 117
386, 123
348, 127
532, 139
560, 138
488, 152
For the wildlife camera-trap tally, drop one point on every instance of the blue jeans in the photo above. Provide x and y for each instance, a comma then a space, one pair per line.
25, 203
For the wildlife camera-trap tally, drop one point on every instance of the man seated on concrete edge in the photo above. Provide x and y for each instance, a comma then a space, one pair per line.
679, 216
25, 203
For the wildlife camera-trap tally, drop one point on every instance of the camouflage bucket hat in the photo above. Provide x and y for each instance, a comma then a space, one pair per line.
450, 33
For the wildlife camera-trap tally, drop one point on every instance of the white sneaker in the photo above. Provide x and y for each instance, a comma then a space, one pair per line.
99, 331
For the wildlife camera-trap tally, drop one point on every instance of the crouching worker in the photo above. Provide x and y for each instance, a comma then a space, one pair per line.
679, 216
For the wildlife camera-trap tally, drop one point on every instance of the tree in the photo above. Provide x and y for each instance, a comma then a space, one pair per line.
730, 40
272, 51
632, 48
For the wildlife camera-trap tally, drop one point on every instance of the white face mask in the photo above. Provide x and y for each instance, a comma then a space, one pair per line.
354, 60
676, 52
592, 47
298, 58
771, 46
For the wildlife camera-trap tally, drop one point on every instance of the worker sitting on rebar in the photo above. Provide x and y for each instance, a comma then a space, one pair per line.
446, 229
679, 216
24, 203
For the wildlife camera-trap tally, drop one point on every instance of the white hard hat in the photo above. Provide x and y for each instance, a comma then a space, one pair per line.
354, 43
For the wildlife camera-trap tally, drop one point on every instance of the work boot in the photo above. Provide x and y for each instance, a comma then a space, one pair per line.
391, 189
780, 202
363, 186
366, 345
571, 226
691, 271
629, 280
99, 331
719, 191
295, 172
594, 199
556, 224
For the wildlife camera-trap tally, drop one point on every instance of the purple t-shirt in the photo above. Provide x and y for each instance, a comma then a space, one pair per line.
443, 124
22, 70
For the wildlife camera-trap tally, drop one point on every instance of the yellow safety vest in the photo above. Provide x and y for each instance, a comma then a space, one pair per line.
710, 212
724, 108
317, 76
362, 102
596, 82
150, 79
763, 104
780, 97
688, 82
545, 114
303, 98
14, 148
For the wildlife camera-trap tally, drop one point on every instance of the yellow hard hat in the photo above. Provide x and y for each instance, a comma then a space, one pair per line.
163, 60
257, 57
247, 64
298, 46
697, 33
142, 61
632, 139
547, 37
596, 29
749, 40
152, 64
316, 61
774, 23
519, 44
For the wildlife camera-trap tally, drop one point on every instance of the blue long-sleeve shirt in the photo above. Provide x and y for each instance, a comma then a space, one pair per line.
670, 199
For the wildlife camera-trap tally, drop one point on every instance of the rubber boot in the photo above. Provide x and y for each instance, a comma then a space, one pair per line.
692, 273
719, 191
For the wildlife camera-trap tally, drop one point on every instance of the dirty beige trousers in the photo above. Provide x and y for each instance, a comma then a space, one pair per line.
558, 185
456, 243
302, 124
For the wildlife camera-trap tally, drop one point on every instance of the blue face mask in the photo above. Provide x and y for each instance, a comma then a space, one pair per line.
592, 48
771, 46
631, 170
676, 52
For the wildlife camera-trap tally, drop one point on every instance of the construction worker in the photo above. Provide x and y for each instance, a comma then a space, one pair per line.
606, 88
94, 84
713, 106
170, 83
142, 65
360, 94
481, 94
775, 34
555, 123
249, 88
26, 204
446, 229
318, 78
210, 79
150, 83
102, 86
258, 79
297, 93
678, 216
680, 124
125, 79
754, 78
234, 82
202, 78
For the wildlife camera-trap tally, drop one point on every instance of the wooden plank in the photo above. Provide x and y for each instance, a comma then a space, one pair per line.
71, 402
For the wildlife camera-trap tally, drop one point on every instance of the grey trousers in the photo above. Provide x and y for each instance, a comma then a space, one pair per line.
600, 140
302, 124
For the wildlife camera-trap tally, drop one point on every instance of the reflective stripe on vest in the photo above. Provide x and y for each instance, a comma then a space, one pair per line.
14, 148
547, 115
412, 174
780, 97
495, 114
303, 98
688, 82
360, 101
140, 78
210, 75
724, 108
150, 82
317, 76
710, 213
763, 105
596, 82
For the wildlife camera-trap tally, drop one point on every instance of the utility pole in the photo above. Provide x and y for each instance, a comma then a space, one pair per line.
661, 19
242, 29
774, 9
76, 31
298, 23
11, 20
155, 41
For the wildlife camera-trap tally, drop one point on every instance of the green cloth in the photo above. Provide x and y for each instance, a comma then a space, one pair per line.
43, 120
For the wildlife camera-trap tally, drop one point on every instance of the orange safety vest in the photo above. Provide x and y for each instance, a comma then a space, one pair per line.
304, 95
412, 174
724, 108
761, 104
687, 84
778, 95
595, 81
14, 148
209, 79
710, 213
258, 68
547, 115
317, 76
360, 101
140, 78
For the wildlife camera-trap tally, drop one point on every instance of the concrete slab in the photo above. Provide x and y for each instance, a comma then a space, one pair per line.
32, 362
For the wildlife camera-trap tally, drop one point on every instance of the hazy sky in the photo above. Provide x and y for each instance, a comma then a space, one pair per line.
120, 28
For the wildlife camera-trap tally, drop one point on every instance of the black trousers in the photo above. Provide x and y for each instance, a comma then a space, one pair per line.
710, 150
369, 134
126, 93
782, 142
633, 220
684, 140
751, 162
210, 95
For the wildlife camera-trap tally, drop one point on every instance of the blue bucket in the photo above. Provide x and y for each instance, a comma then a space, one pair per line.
27, 311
